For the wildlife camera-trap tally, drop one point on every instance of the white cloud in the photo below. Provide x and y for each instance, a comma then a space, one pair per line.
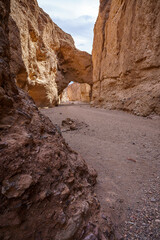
76, 17
82, 43
67, 9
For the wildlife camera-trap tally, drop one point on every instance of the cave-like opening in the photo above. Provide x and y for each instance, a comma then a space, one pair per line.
76, 93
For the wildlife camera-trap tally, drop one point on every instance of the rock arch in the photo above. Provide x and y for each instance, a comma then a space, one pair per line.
44, 58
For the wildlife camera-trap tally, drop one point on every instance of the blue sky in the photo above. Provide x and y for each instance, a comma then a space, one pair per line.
76, 17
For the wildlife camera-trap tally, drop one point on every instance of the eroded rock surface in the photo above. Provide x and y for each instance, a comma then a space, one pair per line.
126, 56
43, 57
45, 187
77, 92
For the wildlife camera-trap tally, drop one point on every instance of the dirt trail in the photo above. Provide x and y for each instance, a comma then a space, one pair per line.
125, 151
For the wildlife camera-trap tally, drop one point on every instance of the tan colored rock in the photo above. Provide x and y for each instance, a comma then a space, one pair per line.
126, 56
85, 92
43, 57
63, 98
77, 92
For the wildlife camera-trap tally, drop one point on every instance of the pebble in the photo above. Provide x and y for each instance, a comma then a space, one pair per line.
91, 237
153, 199
157, 220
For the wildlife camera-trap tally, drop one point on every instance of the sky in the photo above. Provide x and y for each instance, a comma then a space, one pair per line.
76, 17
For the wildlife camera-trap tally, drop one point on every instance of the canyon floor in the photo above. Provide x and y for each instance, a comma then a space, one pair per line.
125, 151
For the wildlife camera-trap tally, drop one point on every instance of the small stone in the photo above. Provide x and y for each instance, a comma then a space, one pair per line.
70, 180
44, 194
91, 236
73, 127
69, 231
153, 199
62, 218
65, 192
157, 220
16, 186
84, 207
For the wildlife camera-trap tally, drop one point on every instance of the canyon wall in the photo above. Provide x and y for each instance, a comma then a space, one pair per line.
43, 57
46, 189
77, 92
63, 97
126, 56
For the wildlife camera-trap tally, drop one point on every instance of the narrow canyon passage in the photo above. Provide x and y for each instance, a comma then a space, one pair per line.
47, 190
125, 151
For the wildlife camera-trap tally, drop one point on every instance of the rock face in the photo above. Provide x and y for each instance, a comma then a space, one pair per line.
45, 187
63, 98
43, 57
126, 56
77, 92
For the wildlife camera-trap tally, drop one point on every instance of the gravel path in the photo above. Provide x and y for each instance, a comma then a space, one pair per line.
125, 151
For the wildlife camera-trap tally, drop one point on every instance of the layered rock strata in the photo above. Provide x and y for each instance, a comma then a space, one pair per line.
43, 57
77, 92
126, 56
45, 187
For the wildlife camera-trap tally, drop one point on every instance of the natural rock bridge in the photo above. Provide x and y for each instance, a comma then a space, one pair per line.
44, 58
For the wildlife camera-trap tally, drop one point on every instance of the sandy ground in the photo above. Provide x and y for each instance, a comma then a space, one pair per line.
125, 151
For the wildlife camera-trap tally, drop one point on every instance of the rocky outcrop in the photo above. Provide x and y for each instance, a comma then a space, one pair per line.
63, 98
126, 56
45, 187
77, 92
43, 57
